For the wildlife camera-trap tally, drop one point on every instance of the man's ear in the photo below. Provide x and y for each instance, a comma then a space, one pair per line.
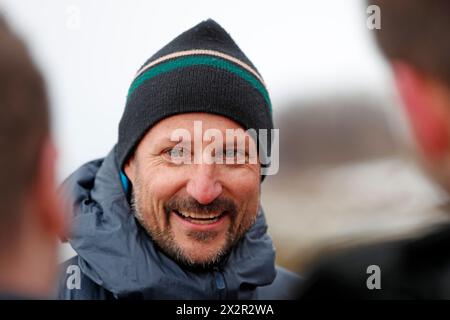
46, 201
426, 108
129, 168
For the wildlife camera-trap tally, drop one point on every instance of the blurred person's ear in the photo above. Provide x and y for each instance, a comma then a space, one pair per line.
427, 103
46, 199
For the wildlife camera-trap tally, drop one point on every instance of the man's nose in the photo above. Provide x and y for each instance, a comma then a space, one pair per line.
203, 185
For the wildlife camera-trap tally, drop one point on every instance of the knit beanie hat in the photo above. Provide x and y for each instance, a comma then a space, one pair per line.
201, 70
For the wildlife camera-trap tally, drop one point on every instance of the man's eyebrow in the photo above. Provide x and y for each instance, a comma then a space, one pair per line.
173, 139
237, 140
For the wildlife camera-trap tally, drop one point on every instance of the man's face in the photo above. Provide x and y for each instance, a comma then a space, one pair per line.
193, 207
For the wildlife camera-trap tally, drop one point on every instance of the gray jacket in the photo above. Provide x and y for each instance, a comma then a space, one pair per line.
117, 259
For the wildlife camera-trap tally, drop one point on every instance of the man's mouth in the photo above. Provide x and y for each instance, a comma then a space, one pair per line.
200, 218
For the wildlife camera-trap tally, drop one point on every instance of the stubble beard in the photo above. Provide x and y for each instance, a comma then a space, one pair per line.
164, 239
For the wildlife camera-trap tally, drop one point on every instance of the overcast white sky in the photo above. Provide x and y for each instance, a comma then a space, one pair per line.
90, 50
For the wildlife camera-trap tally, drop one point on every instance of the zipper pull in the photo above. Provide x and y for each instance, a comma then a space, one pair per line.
220, 281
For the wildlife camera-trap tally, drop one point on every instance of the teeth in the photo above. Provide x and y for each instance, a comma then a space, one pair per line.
194, 215
197, 221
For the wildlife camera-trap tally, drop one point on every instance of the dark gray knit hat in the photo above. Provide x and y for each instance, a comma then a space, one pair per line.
201, 70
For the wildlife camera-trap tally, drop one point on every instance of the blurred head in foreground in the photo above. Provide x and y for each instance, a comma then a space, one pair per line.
29, 212
414, 38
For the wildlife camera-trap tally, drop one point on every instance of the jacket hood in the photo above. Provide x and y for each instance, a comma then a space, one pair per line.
115, 252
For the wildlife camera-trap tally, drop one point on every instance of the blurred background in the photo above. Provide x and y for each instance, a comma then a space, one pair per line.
348, 172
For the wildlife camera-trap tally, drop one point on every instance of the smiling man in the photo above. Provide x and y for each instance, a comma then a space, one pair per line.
174, 210
194, 212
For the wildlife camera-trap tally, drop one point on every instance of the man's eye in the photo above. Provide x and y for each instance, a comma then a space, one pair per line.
234, 156
177, 155
230, 153
233, 153
176, 152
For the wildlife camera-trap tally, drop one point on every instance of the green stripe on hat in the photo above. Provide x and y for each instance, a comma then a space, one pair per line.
183, 62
